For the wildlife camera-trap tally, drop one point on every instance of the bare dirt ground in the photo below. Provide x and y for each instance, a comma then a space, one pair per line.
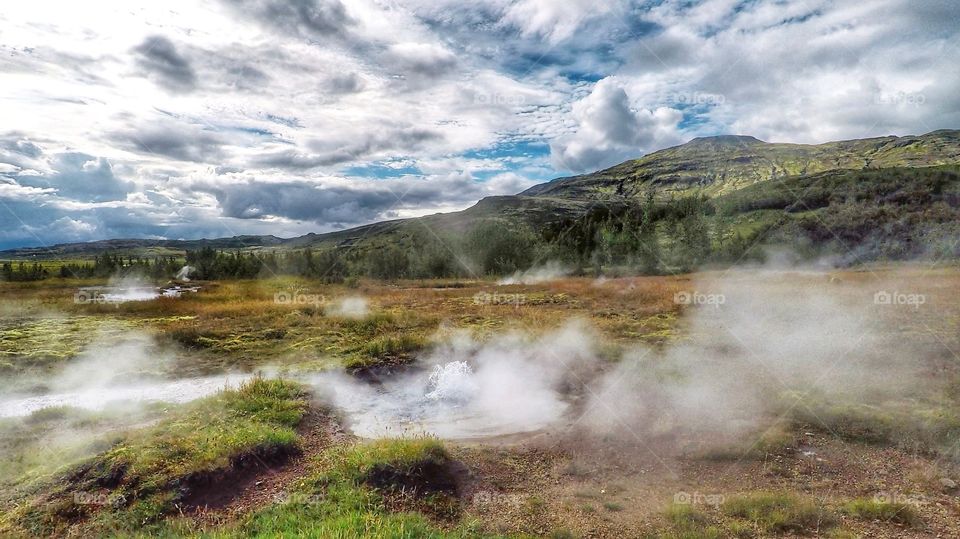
261, 482
622, 489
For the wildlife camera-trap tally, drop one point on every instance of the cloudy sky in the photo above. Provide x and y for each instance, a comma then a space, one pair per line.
187, 119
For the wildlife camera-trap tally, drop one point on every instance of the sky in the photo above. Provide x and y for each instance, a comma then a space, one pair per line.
185, 119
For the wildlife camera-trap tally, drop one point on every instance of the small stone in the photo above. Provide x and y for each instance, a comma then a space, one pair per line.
948, 483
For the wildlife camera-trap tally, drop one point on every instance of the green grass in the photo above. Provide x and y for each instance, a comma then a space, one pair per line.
780, 512
884, 511
394, 346
930, 426
686, 522
38, 343
773, 440
343, 496
337, 501
54, 439
146, 470
752, 515
613, 506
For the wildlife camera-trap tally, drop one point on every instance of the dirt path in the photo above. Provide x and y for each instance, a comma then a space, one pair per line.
264, 481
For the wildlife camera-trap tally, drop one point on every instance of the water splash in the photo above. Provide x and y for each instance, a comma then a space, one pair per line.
184, 273
453, 381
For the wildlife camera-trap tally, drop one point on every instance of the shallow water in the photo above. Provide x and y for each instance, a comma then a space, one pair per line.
452, 402
119, 294
99, 398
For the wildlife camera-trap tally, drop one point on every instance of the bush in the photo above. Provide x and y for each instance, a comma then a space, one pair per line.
773, 512
871, 509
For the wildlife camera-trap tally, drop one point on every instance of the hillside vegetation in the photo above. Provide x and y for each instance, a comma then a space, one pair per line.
713, 201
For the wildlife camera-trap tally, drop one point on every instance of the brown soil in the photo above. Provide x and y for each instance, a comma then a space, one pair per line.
621, 490
434, 488
257, 481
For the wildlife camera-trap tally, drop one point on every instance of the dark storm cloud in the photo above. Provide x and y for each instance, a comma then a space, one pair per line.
166, 66
307, 19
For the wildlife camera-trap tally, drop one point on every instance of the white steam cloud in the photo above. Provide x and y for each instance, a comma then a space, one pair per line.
759, 343
509, 385
116, 372
753, 346
541, 274
355, 307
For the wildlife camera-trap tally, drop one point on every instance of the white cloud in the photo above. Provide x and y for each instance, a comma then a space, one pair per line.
156, 97
609, 130
427, 59
557, 21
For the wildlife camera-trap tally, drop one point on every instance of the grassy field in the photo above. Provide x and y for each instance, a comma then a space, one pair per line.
269, 459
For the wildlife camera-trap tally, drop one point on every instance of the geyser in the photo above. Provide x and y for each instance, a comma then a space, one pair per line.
511, 385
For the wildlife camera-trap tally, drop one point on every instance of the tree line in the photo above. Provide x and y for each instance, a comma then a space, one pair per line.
649, 237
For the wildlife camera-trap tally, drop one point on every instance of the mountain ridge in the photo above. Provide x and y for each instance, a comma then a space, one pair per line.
715, 165
711, 166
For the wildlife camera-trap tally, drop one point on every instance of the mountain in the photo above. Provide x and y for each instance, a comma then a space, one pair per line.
751, 180
738, 172
718, 165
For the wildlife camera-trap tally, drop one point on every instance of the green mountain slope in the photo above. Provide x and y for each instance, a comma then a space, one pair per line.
718, 165
887, 197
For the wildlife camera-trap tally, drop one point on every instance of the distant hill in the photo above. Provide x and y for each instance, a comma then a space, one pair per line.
718, 165
152, 246
754, 184
739, 173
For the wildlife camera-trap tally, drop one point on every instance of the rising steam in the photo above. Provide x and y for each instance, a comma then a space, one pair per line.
754, 345
509, 385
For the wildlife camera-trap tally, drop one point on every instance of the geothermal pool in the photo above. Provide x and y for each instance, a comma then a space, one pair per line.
123, 294
455, 401
100, 398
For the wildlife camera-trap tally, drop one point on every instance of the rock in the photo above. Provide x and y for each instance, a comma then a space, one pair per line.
948, 483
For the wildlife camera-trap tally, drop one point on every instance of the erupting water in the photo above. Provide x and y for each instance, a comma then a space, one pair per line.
452, 382
455, 401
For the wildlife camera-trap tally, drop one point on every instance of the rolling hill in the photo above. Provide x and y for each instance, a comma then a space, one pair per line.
718, 165
908, 184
